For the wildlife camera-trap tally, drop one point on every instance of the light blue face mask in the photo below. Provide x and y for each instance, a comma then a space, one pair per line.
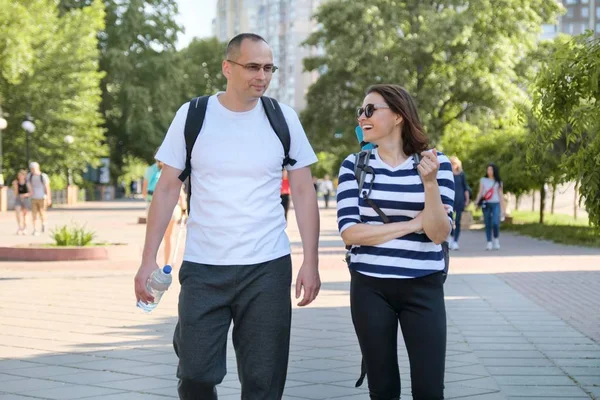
359, 136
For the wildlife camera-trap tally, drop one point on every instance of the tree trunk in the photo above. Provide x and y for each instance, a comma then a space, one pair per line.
517, 201
575, 200
553, 198
532, 200
542, 202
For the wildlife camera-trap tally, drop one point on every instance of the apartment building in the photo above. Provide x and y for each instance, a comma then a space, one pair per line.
581, 15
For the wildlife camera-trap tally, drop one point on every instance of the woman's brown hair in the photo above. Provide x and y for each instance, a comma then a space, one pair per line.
401, 102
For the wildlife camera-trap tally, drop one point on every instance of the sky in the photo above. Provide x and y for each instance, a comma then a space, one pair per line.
196, 17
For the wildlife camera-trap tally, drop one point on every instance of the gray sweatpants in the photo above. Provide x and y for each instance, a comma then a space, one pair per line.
257, 299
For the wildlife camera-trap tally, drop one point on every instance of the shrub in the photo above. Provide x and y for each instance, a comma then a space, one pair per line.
74, 235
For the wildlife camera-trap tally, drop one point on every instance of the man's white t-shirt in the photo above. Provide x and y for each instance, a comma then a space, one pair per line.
236, 215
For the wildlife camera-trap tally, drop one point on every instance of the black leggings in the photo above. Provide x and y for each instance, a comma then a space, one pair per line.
377, 305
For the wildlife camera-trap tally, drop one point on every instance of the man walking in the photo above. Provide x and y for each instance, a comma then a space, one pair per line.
41, 196
237, 263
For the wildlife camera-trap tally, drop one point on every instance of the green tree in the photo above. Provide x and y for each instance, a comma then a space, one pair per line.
140, 89
567, 104
59, 88
327, 165
140, 62
501, 145
201, 64
454, 56
20, 23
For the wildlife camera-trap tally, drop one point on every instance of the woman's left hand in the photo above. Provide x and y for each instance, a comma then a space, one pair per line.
429, 166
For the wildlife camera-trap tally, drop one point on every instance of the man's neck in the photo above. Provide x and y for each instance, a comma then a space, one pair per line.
233, 102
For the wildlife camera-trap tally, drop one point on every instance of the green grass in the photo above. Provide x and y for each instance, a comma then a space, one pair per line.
559, 228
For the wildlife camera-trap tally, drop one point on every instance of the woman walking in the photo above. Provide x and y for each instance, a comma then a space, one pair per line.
396, 267
491, 199
22, 195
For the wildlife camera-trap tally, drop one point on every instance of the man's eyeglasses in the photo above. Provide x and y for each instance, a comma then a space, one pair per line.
255, 68
369, 109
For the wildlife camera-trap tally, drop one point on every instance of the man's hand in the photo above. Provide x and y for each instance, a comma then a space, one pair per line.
140, 280
308, 278
48, 202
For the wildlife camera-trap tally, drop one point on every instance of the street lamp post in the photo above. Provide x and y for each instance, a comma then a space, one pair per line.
29, 127
68, 141
3, 125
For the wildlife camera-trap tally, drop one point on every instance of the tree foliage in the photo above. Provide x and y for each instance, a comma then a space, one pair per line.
567, 105
454, 56
58, 84
501, 144
201, 68
139, 59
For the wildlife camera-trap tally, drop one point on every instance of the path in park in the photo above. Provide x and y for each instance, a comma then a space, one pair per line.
523, 323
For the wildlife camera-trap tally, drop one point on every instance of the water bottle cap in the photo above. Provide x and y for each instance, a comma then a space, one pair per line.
167, 269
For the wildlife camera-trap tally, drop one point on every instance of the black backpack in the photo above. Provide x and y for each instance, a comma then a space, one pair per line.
195, 119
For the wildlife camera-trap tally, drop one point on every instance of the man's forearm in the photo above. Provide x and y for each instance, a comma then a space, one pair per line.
159, 215
435, 219
307, 215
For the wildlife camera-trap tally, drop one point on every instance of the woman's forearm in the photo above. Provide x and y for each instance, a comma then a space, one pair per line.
435, 220
372, 235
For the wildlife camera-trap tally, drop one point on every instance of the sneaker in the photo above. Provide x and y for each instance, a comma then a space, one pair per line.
35, 233
19, 232
489, 246
496, 245
454, 246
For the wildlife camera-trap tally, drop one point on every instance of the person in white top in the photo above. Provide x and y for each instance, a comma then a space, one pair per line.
491, 199
237, 263
41, 195
327, 189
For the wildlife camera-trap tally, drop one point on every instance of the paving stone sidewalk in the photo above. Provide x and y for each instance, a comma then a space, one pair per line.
71, 331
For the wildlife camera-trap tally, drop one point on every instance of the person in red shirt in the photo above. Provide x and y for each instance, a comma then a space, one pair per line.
285, 193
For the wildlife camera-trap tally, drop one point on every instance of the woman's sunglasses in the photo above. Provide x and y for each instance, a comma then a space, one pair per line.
369, 109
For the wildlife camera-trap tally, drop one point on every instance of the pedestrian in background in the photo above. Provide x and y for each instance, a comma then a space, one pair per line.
327, 189
285, 193
22, 200
461, 199
41, 195
491, 200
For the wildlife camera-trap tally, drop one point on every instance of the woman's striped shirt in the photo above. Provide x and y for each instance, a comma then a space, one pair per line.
399, 192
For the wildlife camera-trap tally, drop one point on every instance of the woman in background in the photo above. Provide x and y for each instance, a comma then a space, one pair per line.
491, 199
22, 195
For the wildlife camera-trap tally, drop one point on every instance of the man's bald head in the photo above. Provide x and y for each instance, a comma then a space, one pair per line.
233, 48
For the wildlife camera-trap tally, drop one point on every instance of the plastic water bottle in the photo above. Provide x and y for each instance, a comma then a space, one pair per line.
157, 285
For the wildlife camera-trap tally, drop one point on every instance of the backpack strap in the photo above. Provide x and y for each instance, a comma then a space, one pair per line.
195, 119
361, 170
361, 164
193, 125
279, 125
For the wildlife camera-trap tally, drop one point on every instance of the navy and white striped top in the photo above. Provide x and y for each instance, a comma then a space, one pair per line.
399, 192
